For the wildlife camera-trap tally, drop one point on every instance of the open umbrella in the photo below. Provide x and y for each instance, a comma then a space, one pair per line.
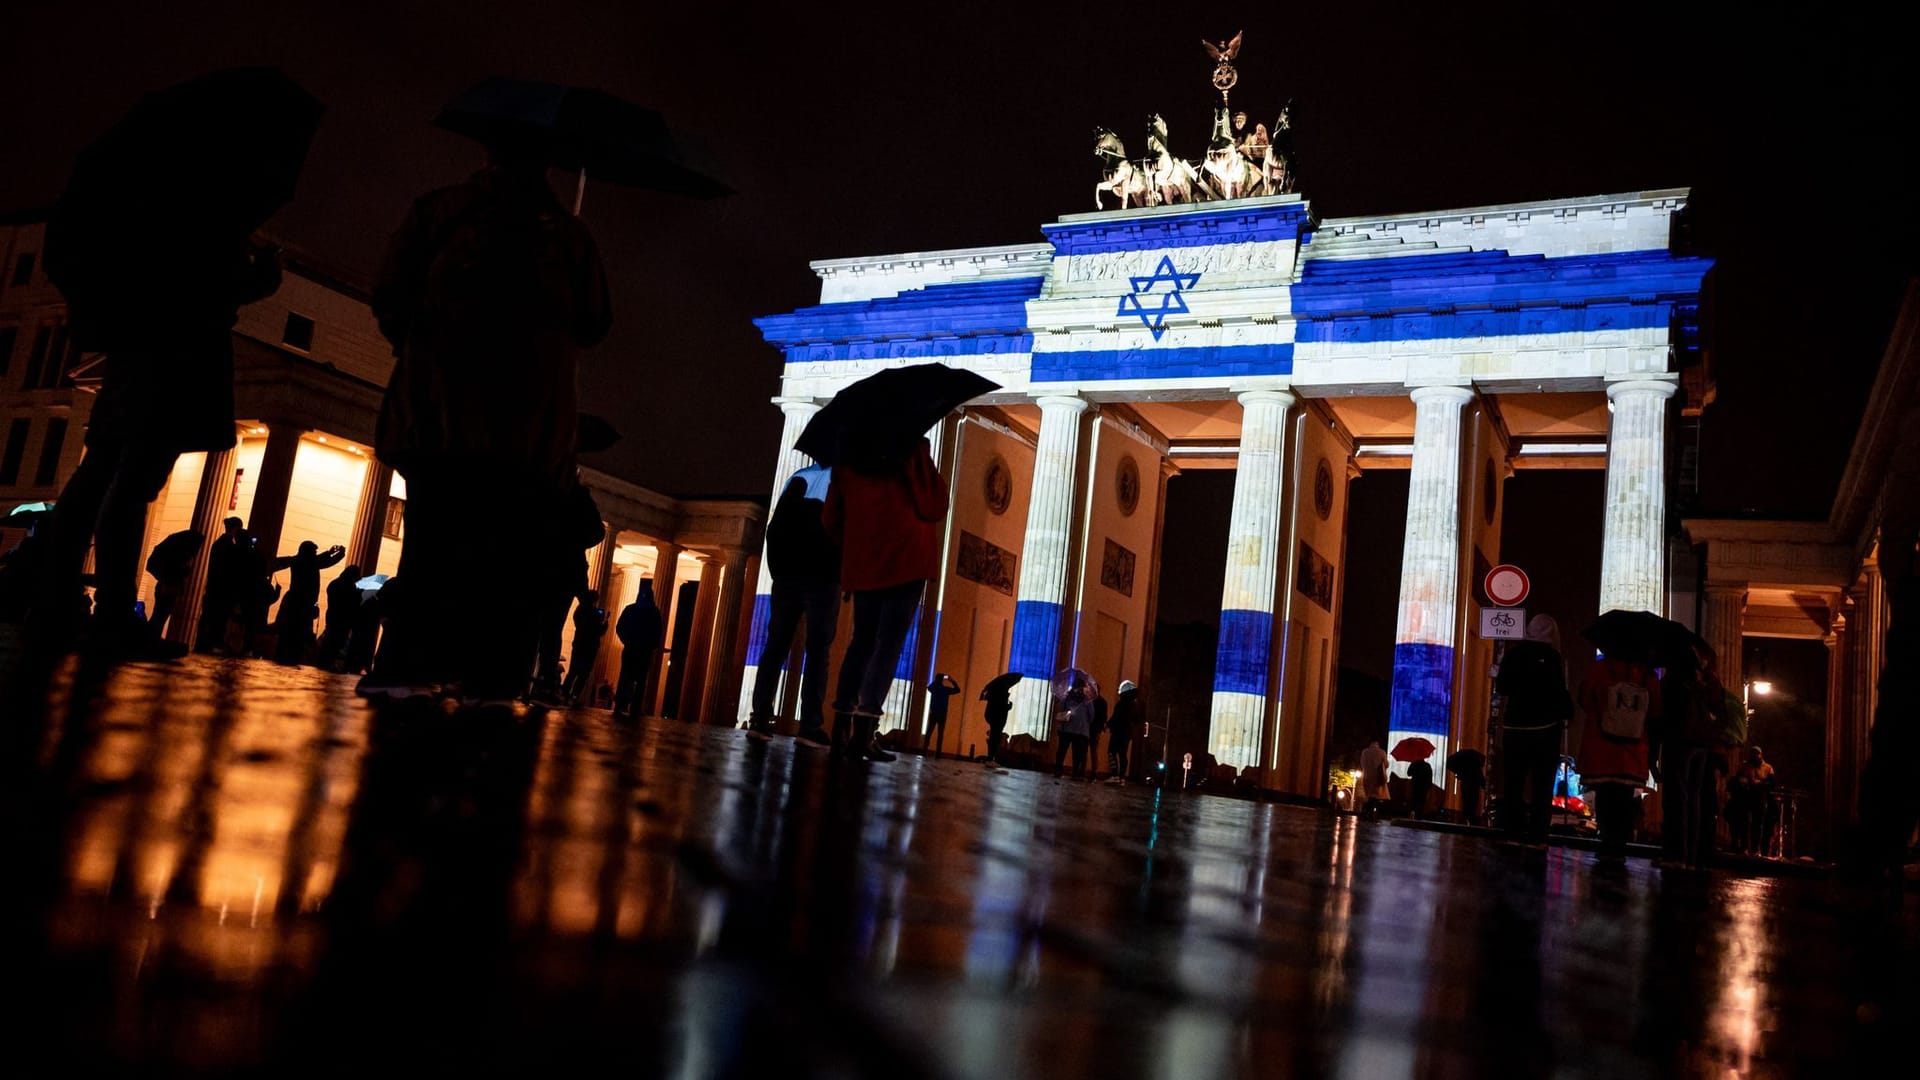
1000, 684
26, 512
189, 172
583, 130
884, 414
594, 434
371, 581
1628, 635
1066, 680
1412, 748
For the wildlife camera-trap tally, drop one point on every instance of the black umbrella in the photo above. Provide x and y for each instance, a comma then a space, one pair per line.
1628, 635
202, 164
176, 550
595, 434
999, 684
884, 414
583, 130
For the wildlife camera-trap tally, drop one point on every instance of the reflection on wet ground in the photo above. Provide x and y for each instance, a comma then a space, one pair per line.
231, 866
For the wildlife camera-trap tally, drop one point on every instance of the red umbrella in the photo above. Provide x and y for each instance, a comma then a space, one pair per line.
1413, 748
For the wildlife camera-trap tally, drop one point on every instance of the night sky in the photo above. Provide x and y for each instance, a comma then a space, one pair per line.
855, 130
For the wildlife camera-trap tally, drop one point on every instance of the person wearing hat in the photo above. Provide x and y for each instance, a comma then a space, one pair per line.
1128, 714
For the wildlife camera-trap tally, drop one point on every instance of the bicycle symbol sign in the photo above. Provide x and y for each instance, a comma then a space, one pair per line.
1508, 624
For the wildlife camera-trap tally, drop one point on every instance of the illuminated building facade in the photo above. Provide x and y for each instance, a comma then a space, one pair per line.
310, 366
1247, 334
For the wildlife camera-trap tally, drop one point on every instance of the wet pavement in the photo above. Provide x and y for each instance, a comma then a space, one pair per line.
227, 867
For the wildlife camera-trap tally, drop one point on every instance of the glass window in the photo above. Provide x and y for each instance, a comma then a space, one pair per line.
9, 335
298, 333
37, 356
50, 448
16, 449
23, 269
396, 518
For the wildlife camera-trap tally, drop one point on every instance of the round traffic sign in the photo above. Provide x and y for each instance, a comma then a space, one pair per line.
1507, 585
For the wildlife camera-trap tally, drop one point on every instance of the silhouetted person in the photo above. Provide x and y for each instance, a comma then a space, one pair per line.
1691, 743
805, 564
1533, 679
1747, 793
1419, 785
1076, 730
1470, 768
151, 244
886, 513
939, 692
293, 624
363, 642
999, 708
640, 629
169, 562
226, 565
549, 678
589, 626
258, 593
167, 390
1129, 714
1374, 771
343, 609
489, 290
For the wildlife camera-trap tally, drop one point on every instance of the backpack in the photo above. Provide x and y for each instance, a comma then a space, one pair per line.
1701, 722
1624, 714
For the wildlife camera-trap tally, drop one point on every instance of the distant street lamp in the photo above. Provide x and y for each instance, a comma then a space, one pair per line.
1762, 687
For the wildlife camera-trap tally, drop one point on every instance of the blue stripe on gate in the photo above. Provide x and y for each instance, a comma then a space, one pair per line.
1422, 688
1245, 653
1036, 638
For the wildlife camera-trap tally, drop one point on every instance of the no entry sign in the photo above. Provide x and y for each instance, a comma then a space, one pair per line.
1507, 585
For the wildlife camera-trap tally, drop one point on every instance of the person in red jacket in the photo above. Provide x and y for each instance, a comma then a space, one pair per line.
886, 514
1620, 693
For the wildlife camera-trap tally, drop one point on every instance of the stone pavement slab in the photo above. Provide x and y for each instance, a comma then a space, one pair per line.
227, 867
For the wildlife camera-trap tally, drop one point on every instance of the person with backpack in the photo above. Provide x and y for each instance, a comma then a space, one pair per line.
805, 564
1619, 701
489, 292
1076, 729
999, 698
1533, 724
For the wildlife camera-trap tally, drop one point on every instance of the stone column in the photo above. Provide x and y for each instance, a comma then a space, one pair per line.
1245, 654
1722, 624
1423, 650
666, 571
370, 517
1841, 773
721, 661
603, 566
1632, 564
694, 672
211, 504
1865, 636
270, 492
1043, 565
797, 413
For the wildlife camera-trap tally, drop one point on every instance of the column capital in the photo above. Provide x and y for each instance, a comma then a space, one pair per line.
1724, 589
1458, 395
1659, 387
1071, 402
802, 406
1284, 398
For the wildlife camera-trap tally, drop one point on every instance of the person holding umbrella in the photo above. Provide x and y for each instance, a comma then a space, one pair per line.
152, 246
998, 694
343, 607
1128, 713
886, 506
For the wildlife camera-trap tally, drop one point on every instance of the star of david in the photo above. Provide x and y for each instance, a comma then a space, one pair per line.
1171, 303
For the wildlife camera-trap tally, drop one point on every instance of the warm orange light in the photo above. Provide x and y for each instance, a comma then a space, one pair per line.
1762, 687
